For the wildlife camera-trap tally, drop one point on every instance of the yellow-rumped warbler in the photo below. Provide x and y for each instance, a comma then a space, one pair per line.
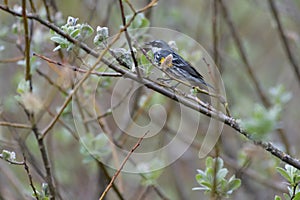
179, 67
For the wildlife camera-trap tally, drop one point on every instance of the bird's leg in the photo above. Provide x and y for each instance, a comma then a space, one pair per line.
168, 80
164, 80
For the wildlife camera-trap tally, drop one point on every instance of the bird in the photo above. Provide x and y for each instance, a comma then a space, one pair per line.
175, 65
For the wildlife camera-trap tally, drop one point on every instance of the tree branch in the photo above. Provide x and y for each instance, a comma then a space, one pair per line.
121, 166
284, 40
265, 100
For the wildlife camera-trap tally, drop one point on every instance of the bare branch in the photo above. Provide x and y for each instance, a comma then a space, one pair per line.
265, 100
15, 125
284, 40
30, 177
121, 166
242, 53
27, 44
77, 69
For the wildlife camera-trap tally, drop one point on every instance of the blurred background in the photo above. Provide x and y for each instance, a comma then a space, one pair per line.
78, 175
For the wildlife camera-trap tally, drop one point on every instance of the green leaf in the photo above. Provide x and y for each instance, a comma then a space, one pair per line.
207, 184
59, 40
297, 196
86, 30
291, 170
277, 197
57, 48
221, 174
220, 163
284, 173
210, 174
233, 185
199, 171
291, 191
206, 179
222, 187
297, 178
75, 33
199, 178
200, 188
209, 162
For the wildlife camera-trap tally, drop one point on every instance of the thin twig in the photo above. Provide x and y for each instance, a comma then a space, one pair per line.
117, 143
13, 162
69, 129
92, 11
115, 188
105, 21
27, 44
214, 193
128, 37
32, 6
121, 166
11, 60
144, 193
242, 53
46, 161
56, 29
77, 69
47, 4
214, 31
77, 86
42, 74
44, 153
15, 125
252, 174
30, 177
139, 91
265, 100
86, 75
25, 149
159, 192
47, 10
284, 40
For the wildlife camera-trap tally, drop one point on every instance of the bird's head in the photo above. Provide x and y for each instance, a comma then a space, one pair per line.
157, 45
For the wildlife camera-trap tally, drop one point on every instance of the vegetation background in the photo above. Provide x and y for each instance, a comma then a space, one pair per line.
76, 175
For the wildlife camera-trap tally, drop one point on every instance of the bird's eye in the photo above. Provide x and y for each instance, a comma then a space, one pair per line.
157, 57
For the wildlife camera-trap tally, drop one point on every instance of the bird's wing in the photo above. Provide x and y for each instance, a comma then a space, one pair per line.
178, 61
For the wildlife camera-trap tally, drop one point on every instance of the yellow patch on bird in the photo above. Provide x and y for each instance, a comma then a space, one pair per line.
166, 62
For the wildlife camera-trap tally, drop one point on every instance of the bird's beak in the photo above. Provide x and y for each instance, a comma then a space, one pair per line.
148, 43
